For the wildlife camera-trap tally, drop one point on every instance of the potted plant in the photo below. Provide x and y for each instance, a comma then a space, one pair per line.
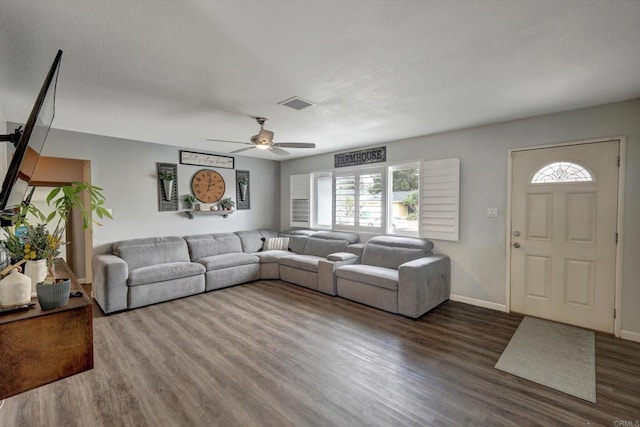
227, 204
191, 201
243, 182
167, 178
22, 251
46, 242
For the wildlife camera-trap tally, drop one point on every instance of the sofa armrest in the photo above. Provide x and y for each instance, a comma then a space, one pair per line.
423, 284
327, 270
109, 284
341, 256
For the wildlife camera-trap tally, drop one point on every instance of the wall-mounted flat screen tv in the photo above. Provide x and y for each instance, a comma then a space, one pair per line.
31, 141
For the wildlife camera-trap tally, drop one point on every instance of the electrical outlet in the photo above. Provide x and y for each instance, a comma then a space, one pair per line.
492, 212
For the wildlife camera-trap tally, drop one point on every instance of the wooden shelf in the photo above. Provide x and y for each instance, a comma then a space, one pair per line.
40, 346
192, 214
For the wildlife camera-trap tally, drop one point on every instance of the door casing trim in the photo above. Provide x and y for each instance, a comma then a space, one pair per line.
617, 324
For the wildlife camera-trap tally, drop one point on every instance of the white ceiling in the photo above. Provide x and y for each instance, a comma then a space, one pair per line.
178, 72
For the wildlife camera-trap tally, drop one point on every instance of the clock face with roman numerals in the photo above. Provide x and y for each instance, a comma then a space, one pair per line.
207, 185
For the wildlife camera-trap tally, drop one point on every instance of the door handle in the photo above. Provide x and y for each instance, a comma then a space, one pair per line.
516, 245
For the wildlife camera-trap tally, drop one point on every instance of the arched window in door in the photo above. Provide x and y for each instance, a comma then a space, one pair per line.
562, 172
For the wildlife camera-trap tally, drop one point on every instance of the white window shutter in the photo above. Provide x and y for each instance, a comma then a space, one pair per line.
440, 203
300, 196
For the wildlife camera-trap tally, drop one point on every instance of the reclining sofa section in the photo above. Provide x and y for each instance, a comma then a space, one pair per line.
396, 274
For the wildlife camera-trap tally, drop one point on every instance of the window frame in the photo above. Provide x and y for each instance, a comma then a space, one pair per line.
390, 169
357, 173
315, 176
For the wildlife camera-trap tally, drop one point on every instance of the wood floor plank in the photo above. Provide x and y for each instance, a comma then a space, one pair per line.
270, 353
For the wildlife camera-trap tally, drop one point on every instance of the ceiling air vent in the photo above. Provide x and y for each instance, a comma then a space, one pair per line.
297, 103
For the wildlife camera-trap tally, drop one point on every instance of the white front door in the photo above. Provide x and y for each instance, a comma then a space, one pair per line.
563, 233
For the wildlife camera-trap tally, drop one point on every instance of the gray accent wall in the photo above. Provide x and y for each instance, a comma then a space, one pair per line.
126, 170
478, 260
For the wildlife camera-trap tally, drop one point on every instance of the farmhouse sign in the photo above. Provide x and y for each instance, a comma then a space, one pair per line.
361, 157
203, 159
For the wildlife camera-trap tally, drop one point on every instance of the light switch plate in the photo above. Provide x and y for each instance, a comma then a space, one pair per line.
492, 212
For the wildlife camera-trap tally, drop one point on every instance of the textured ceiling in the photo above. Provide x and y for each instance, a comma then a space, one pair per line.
178, 72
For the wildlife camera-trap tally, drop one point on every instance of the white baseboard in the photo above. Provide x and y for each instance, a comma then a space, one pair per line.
631, 336
478, 302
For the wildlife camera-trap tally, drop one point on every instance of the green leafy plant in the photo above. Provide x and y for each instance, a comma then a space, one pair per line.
243, 180
46, 244
227, 203
166, 176
190, 199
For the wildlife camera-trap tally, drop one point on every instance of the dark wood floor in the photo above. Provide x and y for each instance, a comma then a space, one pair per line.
270, 353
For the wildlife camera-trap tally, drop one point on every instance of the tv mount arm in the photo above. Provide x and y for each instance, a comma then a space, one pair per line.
12, 137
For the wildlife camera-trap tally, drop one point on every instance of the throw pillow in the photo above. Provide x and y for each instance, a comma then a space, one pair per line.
276, 243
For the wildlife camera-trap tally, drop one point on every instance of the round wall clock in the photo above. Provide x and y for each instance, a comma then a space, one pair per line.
207, 185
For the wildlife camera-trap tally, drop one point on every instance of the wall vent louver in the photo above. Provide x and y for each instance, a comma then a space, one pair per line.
297, 103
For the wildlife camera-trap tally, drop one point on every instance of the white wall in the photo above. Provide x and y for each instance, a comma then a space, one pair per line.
478, 259
127, 171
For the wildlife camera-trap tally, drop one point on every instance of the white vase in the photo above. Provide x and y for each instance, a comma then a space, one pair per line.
243, 191
37, 272
168, 189
15, 289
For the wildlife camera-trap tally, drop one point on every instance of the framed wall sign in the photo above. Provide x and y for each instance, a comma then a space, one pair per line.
204, 159
361, 157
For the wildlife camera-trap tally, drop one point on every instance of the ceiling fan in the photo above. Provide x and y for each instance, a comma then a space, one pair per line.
264, 141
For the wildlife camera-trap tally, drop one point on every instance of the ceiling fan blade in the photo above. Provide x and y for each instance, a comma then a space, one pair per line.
232, 142
278, 151
295, 144
243, 149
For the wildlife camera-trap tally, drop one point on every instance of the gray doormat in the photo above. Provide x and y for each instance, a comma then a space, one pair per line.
558, 356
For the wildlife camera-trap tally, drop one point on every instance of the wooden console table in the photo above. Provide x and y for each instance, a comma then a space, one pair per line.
39, 347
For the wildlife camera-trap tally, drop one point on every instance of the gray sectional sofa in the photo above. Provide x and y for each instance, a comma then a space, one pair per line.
146, 271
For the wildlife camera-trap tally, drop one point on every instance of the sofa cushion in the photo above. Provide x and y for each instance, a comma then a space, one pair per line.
297, 244
151, 251
302, 262
403, 242
271, 256
324, 247
389, 257
164, 272
338, 235
217, 262
298, 232
276, 244
381, 277
252, 241
204, 245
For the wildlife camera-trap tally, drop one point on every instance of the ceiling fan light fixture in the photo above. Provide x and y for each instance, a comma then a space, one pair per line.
264, 141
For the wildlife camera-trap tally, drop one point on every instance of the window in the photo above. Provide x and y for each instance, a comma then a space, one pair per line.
299, 199
359, 200
322, 203
345, 200
404, 199
562, 172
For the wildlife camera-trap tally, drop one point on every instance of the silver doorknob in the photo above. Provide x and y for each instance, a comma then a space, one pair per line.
516, 245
